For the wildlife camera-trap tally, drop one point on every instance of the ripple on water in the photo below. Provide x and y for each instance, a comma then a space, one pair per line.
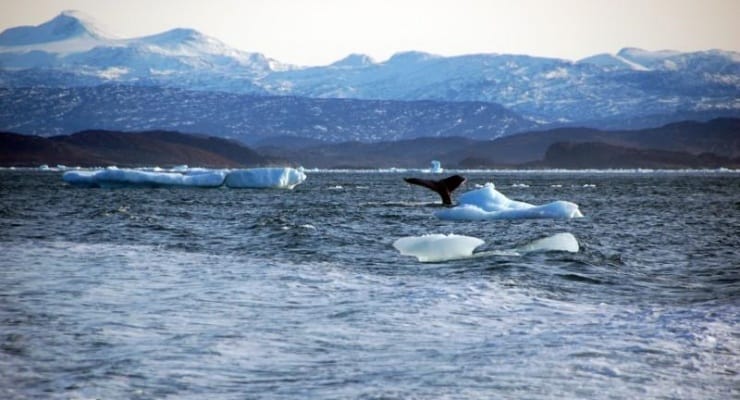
153, 293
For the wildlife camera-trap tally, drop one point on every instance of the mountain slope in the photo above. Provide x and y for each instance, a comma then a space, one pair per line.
719, 136
688, 140
247, 118
100, 148
606, 156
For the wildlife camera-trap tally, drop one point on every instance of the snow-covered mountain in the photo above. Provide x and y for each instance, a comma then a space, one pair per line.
71, 51
631, 85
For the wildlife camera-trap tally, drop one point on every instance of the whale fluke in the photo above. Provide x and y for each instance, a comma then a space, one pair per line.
444, 187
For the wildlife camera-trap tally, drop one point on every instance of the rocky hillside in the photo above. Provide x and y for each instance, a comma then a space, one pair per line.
103, 148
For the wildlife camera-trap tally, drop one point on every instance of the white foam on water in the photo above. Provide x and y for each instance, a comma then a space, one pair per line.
241, 314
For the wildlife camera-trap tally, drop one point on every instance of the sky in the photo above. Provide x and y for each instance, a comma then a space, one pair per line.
319, 32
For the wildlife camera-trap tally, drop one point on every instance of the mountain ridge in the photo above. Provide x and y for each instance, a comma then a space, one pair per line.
630, 84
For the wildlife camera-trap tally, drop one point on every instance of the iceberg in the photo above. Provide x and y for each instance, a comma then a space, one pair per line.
438, 247
487, 203
114, 177
187, 177
436, 167
281, 178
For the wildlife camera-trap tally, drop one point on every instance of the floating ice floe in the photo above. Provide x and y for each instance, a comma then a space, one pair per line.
438, 247
188, 177
281, 178
436, 167
115, 177
487, 203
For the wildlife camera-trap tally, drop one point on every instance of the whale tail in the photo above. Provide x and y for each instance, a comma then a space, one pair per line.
443, 187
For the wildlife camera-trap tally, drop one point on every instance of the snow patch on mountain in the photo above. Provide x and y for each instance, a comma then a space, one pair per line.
612, 61
354, 61
113, 73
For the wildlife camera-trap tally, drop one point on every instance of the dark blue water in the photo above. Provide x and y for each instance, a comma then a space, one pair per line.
234, 294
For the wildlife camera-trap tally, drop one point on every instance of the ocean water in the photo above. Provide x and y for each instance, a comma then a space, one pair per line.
143, 293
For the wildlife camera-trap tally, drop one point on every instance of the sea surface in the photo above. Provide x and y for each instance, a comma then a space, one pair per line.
172, 293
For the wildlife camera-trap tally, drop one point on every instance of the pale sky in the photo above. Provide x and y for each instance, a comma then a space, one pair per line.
319, 32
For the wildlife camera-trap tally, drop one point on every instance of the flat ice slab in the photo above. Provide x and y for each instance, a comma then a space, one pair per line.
437, 247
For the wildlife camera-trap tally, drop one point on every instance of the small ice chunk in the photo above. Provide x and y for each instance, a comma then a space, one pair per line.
438, 247
281, 178
436, 167
558, 242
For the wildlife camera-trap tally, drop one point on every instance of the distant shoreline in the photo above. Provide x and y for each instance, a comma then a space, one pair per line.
502, 171
686, 145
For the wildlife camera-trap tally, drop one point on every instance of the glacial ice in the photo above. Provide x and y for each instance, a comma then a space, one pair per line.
184, 176
487, 203
114, 177
281, 178
436, 167
438, 247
